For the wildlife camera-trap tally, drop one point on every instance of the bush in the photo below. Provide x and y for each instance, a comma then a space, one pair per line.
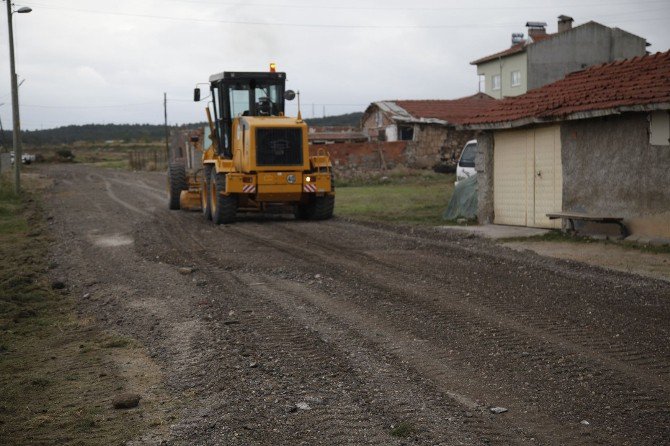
65, 155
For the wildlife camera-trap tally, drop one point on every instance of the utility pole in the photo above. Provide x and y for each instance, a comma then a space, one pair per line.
16, 133
2, 134
167, 133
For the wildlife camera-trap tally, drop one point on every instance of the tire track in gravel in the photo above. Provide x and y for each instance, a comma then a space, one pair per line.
651, 368
509, 337
339, 421
547, 347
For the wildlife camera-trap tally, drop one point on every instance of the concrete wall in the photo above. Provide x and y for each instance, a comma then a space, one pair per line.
505, 66
589, 44
484, 168
610, 167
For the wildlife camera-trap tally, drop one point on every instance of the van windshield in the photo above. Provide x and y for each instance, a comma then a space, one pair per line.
468, 155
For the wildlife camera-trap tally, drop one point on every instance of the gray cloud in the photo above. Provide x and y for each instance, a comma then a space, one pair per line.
97, 61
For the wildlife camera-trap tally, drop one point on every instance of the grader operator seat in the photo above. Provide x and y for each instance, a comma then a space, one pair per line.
244, 94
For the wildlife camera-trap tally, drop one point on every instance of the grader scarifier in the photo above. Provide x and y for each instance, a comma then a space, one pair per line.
258, 159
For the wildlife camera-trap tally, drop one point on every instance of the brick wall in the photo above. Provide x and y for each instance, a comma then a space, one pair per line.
364, 156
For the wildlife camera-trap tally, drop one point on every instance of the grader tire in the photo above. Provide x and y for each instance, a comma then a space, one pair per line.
323, 207
318, 208
224, 207
177, 183
204, 193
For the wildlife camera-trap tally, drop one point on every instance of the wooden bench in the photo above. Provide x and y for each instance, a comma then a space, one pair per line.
572, 216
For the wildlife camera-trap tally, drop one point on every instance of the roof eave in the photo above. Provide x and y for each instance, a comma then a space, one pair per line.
571, 117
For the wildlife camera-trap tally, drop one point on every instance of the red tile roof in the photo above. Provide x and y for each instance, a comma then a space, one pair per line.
453, 111
609, 88
517, 48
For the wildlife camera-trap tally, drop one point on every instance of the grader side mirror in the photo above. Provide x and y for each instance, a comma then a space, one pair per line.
196, 95
289, 95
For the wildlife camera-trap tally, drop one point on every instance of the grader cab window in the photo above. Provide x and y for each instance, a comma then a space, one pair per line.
244, 94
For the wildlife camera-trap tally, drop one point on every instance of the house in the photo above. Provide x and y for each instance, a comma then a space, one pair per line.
597, 142
545, 58
428, 126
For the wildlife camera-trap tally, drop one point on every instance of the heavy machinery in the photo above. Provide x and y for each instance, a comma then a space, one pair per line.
259, 158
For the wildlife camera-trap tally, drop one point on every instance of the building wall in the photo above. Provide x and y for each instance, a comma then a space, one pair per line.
610, 167
376, 121
505, 66
484, 168
589, 44
435, 145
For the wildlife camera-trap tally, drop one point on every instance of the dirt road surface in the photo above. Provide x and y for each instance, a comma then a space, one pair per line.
339, 333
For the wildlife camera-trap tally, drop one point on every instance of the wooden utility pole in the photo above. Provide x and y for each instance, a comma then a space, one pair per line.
167, 132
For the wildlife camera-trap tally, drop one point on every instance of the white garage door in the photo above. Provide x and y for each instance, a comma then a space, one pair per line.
527, 177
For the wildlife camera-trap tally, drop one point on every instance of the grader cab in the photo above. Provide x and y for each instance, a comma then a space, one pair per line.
258, 159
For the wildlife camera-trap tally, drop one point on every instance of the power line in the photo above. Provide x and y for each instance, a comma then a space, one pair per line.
311, 25
89, 106
313, 6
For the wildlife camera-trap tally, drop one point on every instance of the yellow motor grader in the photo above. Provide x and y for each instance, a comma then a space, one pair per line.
259, 158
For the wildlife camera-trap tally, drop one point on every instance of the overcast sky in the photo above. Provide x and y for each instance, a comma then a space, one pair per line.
94, 61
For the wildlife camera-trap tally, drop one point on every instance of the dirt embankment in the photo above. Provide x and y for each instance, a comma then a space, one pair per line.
273, 331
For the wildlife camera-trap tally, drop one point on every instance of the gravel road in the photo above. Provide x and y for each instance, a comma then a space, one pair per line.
342, 333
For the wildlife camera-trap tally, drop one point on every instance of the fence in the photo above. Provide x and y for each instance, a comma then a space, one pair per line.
155, 159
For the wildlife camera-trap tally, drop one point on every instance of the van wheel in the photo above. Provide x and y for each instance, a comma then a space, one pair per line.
176, 184
224, 207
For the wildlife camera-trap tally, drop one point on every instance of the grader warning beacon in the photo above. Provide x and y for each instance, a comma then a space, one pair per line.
259, 158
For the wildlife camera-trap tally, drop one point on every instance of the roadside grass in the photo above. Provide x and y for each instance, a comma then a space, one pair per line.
559, 236
418, 199
58, 373
404, 429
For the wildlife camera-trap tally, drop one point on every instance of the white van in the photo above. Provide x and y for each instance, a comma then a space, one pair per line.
466, 162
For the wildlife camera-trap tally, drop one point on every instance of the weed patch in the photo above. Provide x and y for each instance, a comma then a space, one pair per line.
403, 430
53, 388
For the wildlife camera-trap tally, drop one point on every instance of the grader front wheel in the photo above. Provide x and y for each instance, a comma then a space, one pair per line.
224, 207
205, 196
176, 184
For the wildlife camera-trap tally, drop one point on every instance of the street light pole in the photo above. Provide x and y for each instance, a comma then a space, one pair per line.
16, 133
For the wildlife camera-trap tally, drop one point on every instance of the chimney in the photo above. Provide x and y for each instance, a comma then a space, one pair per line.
536, 29
564, 23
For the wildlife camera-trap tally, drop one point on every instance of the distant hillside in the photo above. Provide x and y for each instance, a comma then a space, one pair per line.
347, 120
93, 133
135, 132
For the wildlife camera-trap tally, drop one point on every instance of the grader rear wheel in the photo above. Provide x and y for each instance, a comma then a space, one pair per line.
318, 208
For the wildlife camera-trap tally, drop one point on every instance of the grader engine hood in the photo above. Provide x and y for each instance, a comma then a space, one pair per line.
272, 144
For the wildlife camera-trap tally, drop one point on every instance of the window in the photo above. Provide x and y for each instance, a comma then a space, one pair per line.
516, 78
468, 156
495, 82
659, 128
406, 133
